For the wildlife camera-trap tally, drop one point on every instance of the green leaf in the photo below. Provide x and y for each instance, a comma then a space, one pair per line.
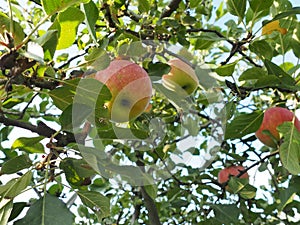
258, 5
49, 42
243, 124
158, 69
226, 70
6, 206
143, 6
30, 145
262, 49
289, 149
286, 196
63, 96
91, 13
248, 192
76, 170
68, 22
97, 58
53, 6
97, 202
252, 74
15, 186
74, 116
290, 12
17, 209
5, 26
273, 69
295, 47
237, 7
226, 214
16, 164
48, 210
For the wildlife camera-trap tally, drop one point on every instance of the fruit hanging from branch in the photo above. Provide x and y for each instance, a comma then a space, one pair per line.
273, 117
181, 78
130, 87
236, 171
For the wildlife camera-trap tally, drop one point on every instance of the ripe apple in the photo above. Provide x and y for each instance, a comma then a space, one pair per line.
130, 87
224, 174
273, 117
181, 78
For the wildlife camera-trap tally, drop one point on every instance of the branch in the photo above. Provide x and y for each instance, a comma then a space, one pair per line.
41, 129
174, 4
151, 208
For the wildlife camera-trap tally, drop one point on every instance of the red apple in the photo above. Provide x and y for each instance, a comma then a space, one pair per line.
131, 89
225, 174
181, 78
273, 117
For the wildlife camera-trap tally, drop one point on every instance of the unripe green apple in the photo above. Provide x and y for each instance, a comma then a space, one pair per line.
130, 87
273, 117
181, 78
225, 174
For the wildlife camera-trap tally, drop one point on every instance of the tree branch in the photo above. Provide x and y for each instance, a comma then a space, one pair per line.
41, 129
174, 4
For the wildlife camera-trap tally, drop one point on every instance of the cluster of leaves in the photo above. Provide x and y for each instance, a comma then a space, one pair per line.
138, 173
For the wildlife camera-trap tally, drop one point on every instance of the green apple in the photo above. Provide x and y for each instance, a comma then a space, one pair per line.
130, 87
181, 78
273, 117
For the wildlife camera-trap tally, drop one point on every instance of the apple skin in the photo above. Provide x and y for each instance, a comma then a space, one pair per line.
130, 87
273, 117
224, 174
181, 78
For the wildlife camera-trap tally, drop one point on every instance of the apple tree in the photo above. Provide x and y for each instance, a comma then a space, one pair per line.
81, 143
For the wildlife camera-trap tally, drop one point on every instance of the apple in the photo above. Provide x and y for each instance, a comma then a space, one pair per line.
130, 87
181, 77
273, 117
225, 174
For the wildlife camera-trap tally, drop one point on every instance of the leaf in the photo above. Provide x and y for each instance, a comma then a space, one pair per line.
273, 69
16, 164
68, 22
226, 70
74, 116
97, 58
48, 210
63, 96
262, 49
248, 192
157, 70
226, 214
91, 13
5, 26
17, 209
15, 186
289, 149
97, 202
269, 28
286, 196
258, 5
102, 164
295, 47
49, 42
289, 12
237, 7
53, 6
143, 6
243, 124
76, 170
252, 74
6, 206
30, 145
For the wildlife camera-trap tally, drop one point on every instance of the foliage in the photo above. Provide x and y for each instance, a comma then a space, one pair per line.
162, 167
